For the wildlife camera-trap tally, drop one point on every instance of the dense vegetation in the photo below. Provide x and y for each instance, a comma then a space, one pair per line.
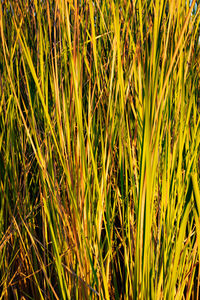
99, 149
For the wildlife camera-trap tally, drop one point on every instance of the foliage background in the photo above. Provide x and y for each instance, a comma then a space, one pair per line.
99, 149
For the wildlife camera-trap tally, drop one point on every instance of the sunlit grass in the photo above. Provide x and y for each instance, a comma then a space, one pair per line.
99, 149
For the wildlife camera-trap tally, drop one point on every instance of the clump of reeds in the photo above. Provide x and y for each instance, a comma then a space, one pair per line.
99, 149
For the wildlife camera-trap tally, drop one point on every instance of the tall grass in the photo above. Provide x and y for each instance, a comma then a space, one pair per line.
99, 149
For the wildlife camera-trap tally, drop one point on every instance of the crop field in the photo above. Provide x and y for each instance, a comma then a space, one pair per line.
99, 149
